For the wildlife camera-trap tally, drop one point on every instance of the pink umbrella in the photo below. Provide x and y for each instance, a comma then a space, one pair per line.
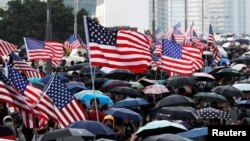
203, 76
155, 89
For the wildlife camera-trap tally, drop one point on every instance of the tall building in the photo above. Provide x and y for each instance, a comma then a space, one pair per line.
88, 5
133, 13
195, 14
161, 14
176, 13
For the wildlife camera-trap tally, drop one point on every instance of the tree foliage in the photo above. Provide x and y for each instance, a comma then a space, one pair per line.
29, 20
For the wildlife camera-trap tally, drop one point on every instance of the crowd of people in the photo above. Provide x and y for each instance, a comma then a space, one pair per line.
125, 129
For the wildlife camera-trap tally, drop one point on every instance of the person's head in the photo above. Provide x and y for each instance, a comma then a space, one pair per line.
64, 62
214, 121
94, 103
40, 68
109, 121
8, 121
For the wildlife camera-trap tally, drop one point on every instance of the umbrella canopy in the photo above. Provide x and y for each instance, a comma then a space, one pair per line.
136, 85
126, 91
222, 52
175, 100
36, 82
46, 79
124, 114
242, 87
166, 137
180, 81
115, 83
95, 127
212, 113
98, 82
87, 95
228, 72
177, 113
244, 103
155, 89
121, 74
227, 91
160, 127
86, 70
75, 87
242, 60
146, 82
209, 96
215, 70
238, 67
68, 135
194, 133
203, 76
77, 66
130, 102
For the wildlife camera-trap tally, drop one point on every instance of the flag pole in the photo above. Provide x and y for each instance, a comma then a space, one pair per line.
75, 14
91, 68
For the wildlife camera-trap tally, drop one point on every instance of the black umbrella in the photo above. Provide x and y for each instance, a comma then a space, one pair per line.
212, 113
176, 113
98, 82
228, 91
175, 100
126, 91
215, 70
77, 66
86, 70
166, 137
95, 127
228, 72
242, 41
147, 82
209, 96
181, 81
68, 135
121, 74
242, 60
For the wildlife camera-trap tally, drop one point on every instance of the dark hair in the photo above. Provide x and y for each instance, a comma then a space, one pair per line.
93, 100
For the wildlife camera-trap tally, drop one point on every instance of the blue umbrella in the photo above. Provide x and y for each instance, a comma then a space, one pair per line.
46, 79
130, 102
244, 103
75, 87
124, 114
87, 95
95, 127
194, 133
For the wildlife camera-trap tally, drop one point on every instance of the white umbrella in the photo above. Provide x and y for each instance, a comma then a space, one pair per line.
238, 67
207, 53
226, 45
242, 87
76, 59
222, 52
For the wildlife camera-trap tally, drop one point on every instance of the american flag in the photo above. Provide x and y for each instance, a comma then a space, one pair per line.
11, 96
178, 33
39, 101
159, 34
24, 67
6, 48
44, 50
121, 49
212, 43
156, 56
192, 53
172, 60
68, 109
74, 41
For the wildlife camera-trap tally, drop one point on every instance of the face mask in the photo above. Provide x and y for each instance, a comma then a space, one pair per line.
9, 124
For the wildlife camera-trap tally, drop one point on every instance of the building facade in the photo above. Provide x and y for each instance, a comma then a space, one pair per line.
132, 13
88, 5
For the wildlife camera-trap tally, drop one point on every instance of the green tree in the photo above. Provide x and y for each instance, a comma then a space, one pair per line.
29, 20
